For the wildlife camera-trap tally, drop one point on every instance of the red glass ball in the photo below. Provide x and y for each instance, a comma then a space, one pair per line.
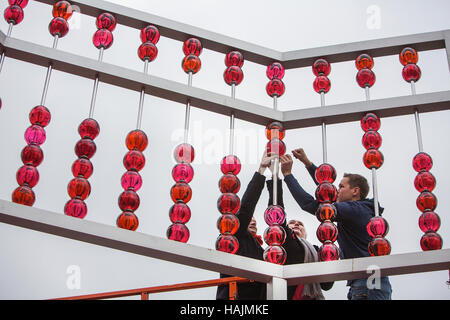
275, 87
326, 192
373, 159
431, 241
178, 232
230, 164
181, 191
89, 128
234, 58
371, 140
184, 152
13, 14
180, 213
79, 187
82, 167
136, 140
365, 78
326, 211
85, 148
424, 181
228, 203
379, 246
228, 223
24, 195
106, 21
328, 252
191, 63
276, 146
227, 243
75, 208
147, 51
429, 221
426, 201
322, 84
275, 70
364, 61
35, 134
192, 46
325, 173
134, 160
274, 215
275, 254
103, 38
58, 27
229, 183
62, 9
127, 220
183, 172
32, 154
129, 200
20, 3
28, 175
233, 75
422, 162
327, 231
321, 67
377, 226
275, 130
40, 115
274, 235
150, 34
408, 55
131, 180
411, 72
370, 121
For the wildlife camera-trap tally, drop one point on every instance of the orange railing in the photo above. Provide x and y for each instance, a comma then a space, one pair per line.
144, 292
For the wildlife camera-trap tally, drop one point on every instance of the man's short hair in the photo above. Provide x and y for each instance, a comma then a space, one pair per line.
357, 180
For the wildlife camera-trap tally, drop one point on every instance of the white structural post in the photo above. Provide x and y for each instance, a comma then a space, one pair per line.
277, 289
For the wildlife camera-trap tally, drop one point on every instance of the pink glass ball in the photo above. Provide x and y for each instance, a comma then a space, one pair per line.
422, 162
136, 140
371, 140
426, 201
364, 61
227, 243
85, 148
103, 38
192, 46
411, 72
89, 128
228, 223
328, 252
75, 208
35, 134
178, 232
228, 203
13, 14
379, 246
230, 164
184, 152
134, 160
82, 167
275, 87
327, 231
370, 121
180, 213
325, 173
129, 200
424, 181
62, 9
274, 215
191, 64
365, 78
275, 130
58, 27
431, 241
234, 58
106, 21
429, 221
233, 75
373, 159
275, 254
377, 226
326, 192
183, 172
322, 84
147, 51
274, 235
127, 220
150, 34
131, 180
408, 55
321, 67
181, 191
24, 195
28, 175
275, 71
229, 183
32, 154
79, 187
40, 115
20, 3
326, 211
276, 147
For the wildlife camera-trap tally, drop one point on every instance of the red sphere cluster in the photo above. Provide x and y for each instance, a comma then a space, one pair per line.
233, 75
321, 69
62, 11
275, 87
147, 51
103, 37
192, 48
408, 58
365, 76
14, 12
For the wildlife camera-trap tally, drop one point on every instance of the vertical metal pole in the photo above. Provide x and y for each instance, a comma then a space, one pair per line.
366, 89
324, 131
277, 289
141, 100
94, 90
276, 162
375, 191
275, 103
233, 91
232, 133
10, 27
188, 111
48, 76
2, 59
416, 118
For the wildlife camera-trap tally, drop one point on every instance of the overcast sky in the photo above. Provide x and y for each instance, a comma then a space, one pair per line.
38, 266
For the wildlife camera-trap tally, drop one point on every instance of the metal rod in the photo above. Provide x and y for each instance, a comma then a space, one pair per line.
190, 79
186, 120
418, 131
413, 88
322, 99
233, 91
275, 181
55, 41
232, 118
375, 191
100, 54
46, 83
95, 89
324, 130
367, 90
10, 27
141, 100
275, 102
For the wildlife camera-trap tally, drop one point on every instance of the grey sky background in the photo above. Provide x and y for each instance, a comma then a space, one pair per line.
34, 265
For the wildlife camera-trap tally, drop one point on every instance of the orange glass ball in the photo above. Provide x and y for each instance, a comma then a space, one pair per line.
79, 187
191, 63
379, 246
408, 55
364, 61
136, 139
326, 211
228, 224
127, 220
275, 130
24, 195
62, 9
181, 192
229, 183
373, 159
